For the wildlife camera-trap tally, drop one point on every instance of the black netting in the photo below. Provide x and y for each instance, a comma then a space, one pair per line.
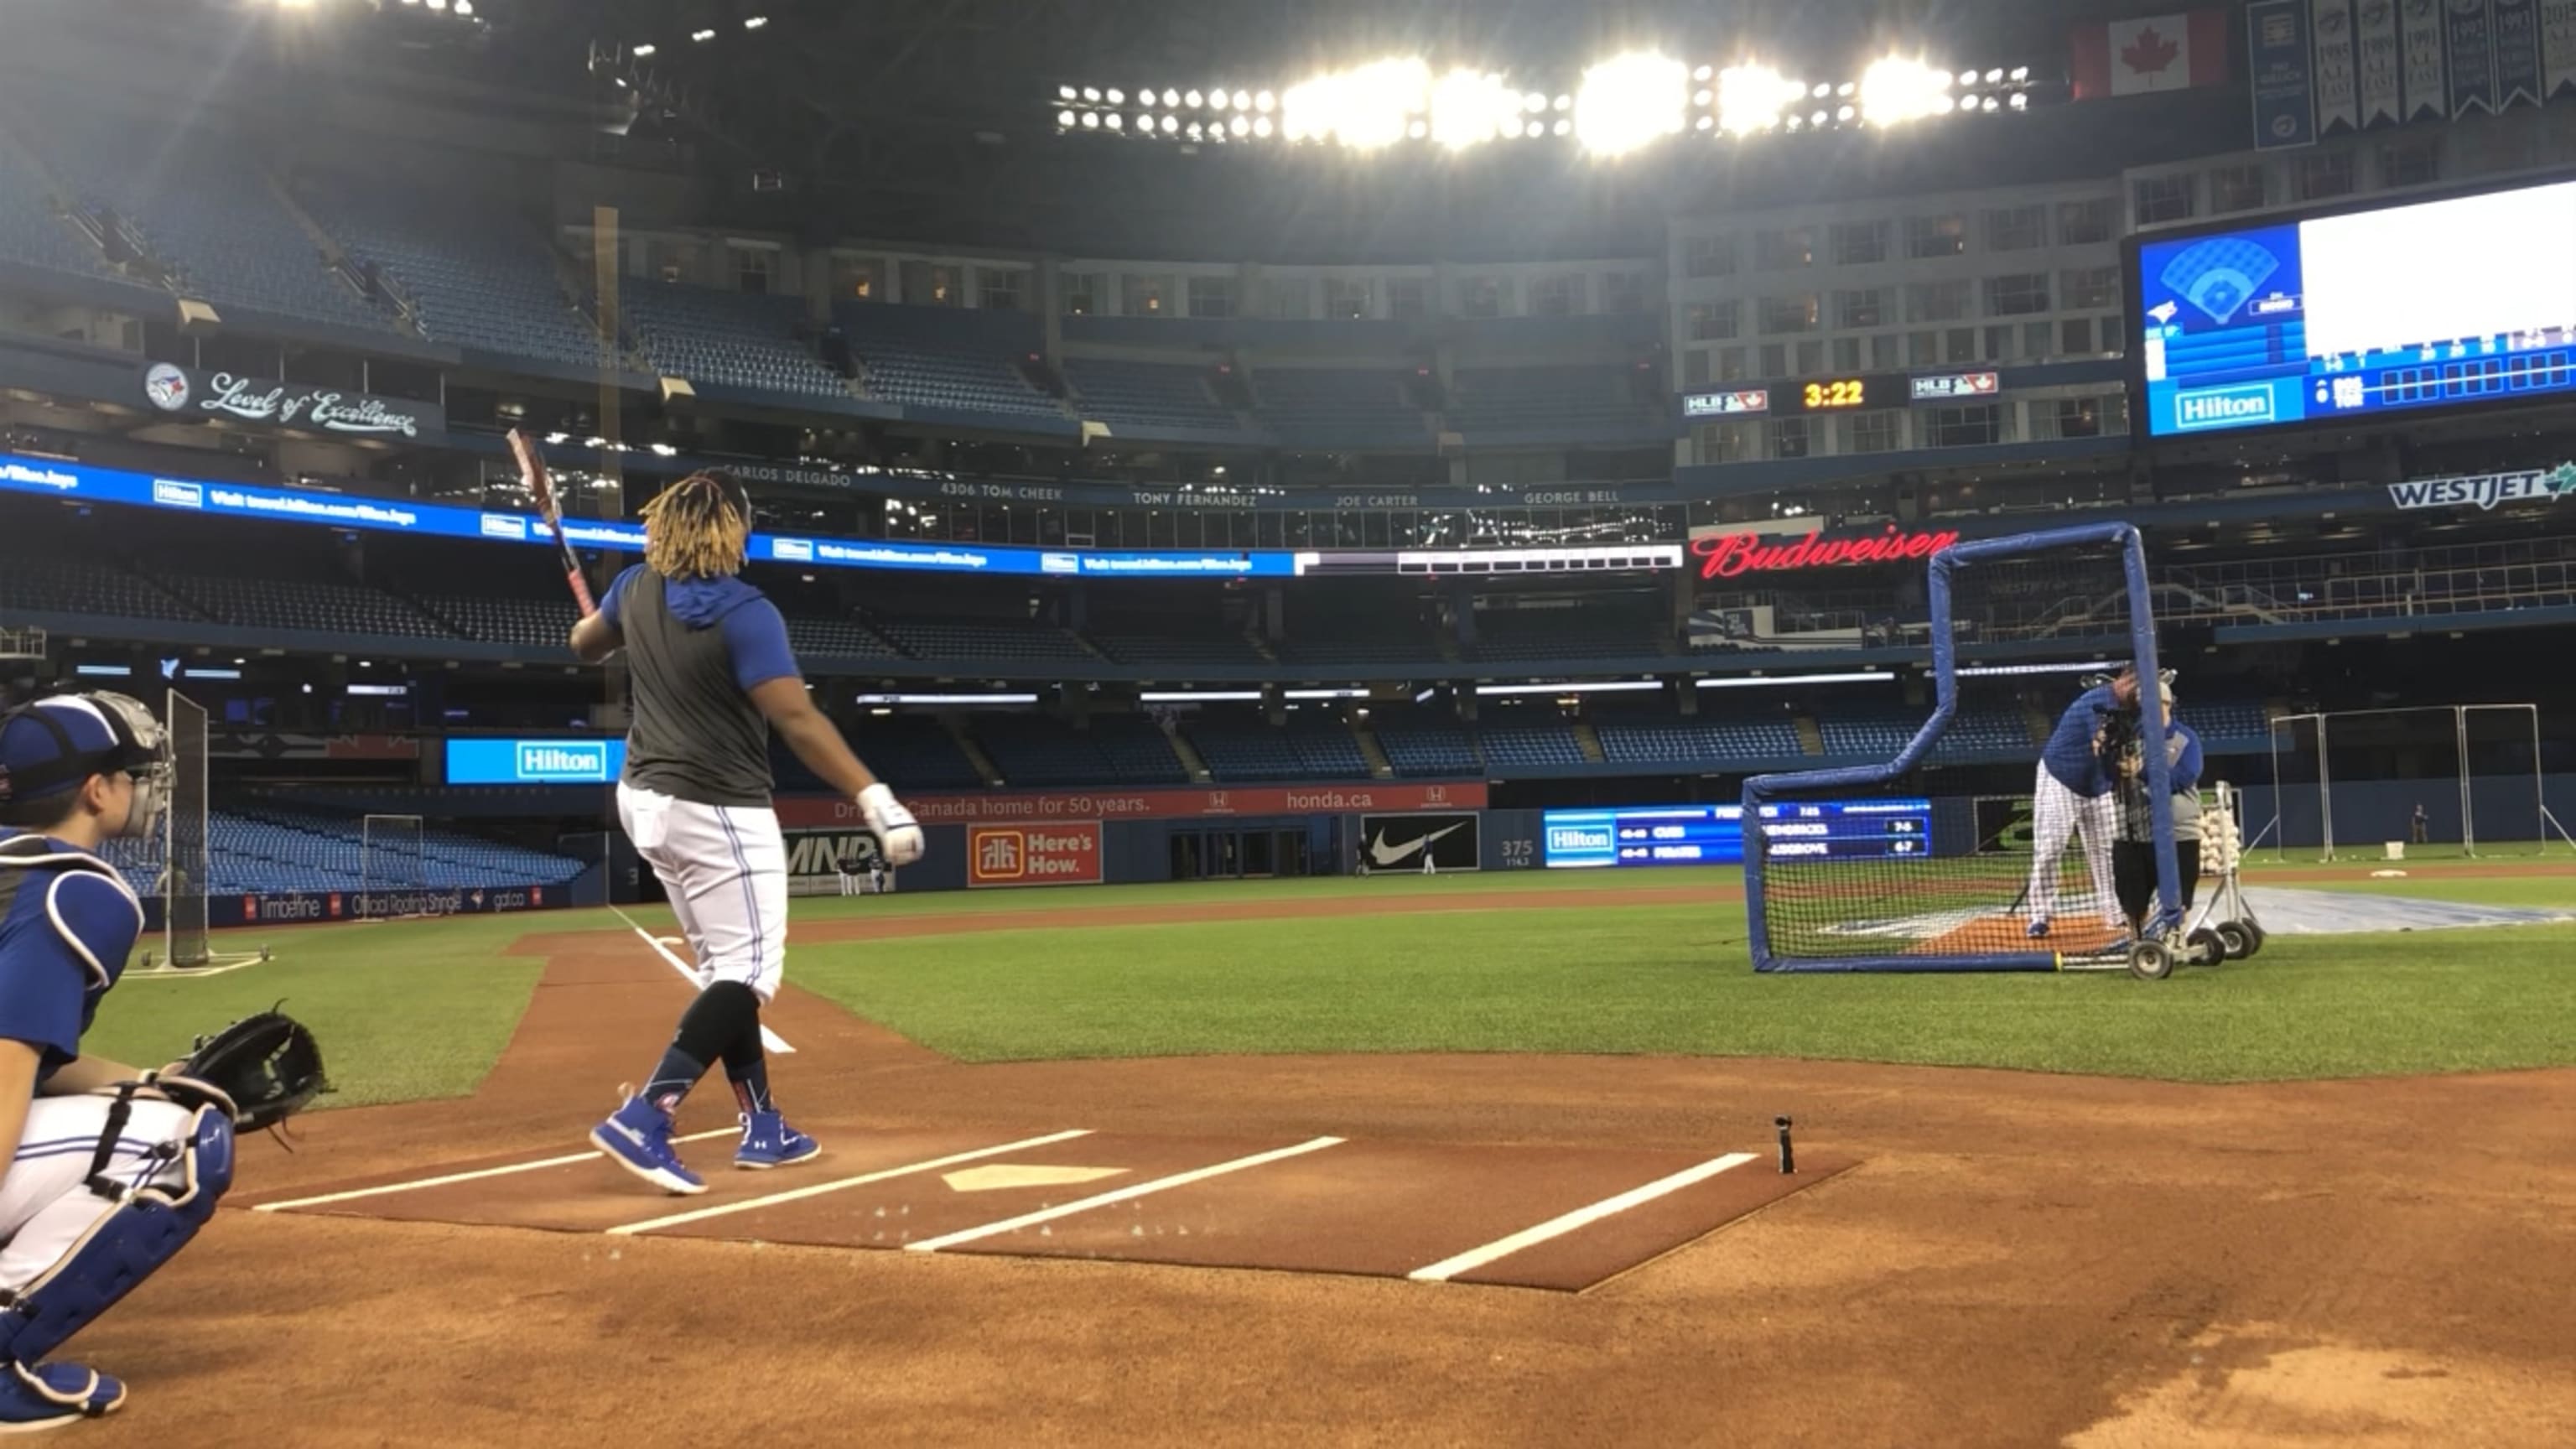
183, 865
1960, 876
2440, 777
392, 866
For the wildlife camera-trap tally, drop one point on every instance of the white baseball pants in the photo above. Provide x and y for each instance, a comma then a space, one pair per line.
45, 1201
725, 869
2055, 813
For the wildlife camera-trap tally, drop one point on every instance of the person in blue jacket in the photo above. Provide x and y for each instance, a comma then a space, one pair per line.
2133, 853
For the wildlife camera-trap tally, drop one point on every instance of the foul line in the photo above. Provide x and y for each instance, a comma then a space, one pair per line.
820, 1188
770, 1040
564, 1161
1182, 1179
1556, 1227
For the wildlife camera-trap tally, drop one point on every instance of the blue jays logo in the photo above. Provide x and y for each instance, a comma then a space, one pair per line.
166, 386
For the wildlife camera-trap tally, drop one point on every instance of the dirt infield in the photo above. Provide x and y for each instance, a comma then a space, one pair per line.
2016, 1258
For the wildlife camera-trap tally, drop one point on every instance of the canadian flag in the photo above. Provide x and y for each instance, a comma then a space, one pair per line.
2154, 53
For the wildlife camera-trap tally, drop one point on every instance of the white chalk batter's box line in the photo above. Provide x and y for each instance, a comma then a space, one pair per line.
1442, 1271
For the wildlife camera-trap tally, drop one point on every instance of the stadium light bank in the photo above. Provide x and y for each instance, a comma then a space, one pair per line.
1617, 107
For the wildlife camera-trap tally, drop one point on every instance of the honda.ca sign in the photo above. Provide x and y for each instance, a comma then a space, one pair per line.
1402, 844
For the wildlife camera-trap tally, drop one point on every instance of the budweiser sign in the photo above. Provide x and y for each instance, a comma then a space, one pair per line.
1732, 555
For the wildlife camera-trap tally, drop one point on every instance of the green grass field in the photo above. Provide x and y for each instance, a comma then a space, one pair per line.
423, 1009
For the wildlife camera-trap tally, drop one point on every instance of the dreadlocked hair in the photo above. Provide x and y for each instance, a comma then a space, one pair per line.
696, 528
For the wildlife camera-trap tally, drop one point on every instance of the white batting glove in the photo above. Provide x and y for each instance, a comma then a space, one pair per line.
898, 834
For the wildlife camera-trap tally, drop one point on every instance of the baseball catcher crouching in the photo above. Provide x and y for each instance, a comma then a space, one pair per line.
114, 1168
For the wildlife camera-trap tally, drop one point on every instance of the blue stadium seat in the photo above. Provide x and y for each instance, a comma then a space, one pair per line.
1338, 407
937, 357
202, 206
742, 339
280, 847
1145, 394
475, 280
1572, 401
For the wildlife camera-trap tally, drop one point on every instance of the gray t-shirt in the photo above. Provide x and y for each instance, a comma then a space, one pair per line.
694, 650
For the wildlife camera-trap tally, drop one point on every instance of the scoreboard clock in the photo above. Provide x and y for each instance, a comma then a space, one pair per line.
1843, 394
1840, 392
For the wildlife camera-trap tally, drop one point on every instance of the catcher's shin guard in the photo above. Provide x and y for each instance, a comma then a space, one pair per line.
145, 1228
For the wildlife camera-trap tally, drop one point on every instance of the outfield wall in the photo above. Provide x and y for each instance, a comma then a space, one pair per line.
1039, 839
2367, 812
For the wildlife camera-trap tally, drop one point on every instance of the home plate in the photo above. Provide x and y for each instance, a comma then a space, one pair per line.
998, 1175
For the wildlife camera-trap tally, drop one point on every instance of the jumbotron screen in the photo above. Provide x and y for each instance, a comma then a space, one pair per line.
2431, 304
1714, 834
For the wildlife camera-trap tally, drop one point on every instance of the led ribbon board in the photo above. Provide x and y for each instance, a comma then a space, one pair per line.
90, 484
1714, 834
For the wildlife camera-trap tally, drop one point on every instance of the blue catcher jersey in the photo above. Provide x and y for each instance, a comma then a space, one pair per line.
67, 921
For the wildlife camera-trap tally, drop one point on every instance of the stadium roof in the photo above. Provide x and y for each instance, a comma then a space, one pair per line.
935, 121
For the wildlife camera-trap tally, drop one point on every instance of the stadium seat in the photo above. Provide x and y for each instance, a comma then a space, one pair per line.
202, 205
1327, 407
1146, 394
743, 339
938, 357
474, 280
1554, 401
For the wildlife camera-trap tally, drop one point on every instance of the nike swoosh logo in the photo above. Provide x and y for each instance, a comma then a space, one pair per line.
1380, 853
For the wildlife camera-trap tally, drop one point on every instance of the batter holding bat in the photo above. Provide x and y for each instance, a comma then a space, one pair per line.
712, 675
2072, 796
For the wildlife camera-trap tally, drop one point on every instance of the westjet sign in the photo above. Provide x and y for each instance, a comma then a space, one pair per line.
2486, 490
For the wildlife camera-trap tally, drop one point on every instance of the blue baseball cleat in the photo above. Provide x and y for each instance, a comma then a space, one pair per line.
2039, 929
50, 1395
637, 1137
767, 1141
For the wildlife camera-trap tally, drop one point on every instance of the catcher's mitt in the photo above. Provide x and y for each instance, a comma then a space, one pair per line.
267, 1066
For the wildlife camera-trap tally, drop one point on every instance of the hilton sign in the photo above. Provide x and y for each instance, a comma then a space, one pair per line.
1732, 555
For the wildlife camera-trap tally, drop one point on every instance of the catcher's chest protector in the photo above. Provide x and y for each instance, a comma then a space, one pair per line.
29, 865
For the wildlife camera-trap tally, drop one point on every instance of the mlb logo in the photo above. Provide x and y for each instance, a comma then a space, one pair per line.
250, 908
536, 895
335, 903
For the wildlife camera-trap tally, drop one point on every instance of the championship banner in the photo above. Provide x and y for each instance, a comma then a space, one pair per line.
2468, 44
2419, 38
2338, 81
1417, 844
2517, 53
187, 392
2284, 74
287, 907
1020, 807
1033, 855
2381, 64
2557, 47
